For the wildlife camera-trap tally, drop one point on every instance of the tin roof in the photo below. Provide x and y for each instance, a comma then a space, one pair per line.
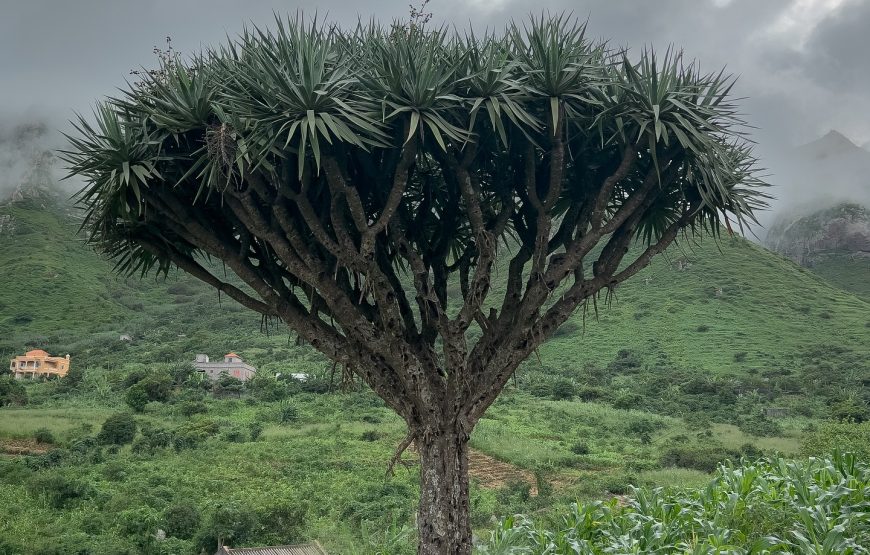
232, 355
298, 549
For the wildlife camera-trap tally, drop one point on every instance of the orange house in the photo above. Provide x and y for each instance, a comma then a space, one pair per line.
39, 364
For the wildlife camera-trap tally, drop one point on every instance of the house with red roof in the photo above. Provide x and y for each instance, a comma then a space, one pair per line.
232, 365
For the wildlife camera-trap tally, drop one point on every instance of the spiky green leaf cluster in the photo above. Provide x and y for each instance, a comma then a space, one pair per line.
277, 100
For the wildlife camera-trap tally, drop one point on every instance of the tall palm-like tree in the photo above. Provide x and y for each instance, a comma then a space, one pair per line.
348, 177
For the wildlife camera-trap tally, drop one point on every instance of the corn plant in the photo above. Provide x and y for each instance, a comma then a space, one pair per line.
827, 501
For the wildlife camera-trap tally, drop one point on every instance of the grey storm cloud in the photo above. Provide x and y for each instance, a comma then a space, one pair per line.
837, 50
802, 64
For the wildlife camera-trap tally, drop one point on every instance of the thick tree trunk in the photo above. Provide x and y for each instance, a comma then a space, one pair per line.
443, 518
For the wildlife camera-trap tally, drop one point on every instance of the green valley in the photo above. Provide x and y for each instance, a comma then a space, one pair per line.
675, 372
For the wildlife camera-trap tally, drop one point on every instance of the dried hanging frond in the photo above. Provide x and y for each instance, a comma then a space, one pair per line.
220, 141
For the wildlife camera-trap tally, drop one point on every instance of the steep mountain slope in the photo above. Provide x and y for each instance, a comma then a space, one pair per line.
833, 242
49, 282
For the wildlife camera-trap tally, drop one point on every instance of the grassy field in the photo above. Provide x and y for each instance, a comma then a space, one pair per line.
322, 472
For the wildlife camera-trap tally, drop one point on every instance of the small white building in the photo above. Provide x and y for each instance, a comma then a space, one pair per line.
232, 365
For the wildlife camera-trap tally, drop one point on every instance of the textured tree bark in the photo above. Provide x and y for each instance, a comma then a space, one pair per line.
443, 518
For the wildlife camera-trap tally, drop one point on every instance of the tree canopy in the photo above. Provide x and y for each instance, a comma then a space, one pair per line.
364, 183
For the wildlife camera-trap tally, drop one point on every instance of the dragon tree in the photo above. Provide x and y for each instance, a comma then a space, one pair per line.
364, 185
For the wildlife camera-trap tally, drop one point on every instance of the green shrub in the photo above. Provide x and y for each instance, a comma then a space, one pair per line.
515, 492
281, 521
619, 485
703, 457
590, 393
557, 388
191, 434
228, 385
759, 425
371, 435
850, 410
181, 520
256, 430
233, 523
158, 386
628, 401
189, 408
376, 501
289, 413
643, 426
234, 434
73, 379
626, 362
136, 397
580, 448
43, 435
12, 392
60, 491
115, 471
181, 373
118, 429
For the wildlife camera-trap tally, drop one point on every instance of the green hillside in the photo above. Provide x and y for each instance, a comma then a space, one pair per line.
845, 270
734, 306
59, 295
721, 307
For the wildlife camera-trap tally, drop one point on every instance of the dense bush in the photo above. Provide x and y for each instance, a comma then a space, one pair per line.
552, 387
267, 388
846, 436
376, 501
232, 523
136, 397
151, 439
698, 456
11, 392
228, 385
118, 429
59, 490
289, 414
759, 425
851, 410
181, 519
73, 379
189, 408
191, 434
43, 435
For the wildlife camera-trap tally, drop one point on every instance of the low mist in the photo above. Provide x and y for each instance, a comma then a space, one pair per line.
28, 161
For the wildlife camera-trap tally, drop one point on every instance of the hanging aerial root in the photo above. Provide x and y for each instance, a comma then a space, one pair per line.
397, 457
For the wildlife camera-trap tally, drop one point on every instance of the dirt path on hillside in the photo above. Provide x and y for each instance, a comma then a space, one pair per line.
23, 447
493, 473
490, 472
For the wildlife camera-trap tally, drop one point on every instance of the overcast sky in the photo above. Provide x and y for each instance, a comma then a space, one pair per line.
803, 64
